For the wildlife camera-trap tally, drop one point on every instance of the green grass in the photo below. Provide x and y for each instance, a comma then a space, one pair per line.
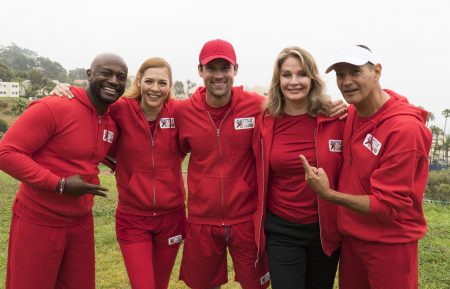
434, 251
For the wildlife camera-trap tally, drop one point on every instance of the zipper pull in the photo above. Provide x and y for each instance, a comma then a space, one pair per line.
99, 119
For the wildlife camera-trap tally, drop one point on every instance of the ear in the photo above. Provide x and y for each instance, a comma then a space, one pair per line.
200, 70
88, 72
236, 68
138, 82
378, 68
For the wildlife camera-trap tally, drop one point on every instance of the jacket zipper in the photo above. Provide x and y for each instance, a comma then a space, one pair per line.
317, 197
262, 202
221, 160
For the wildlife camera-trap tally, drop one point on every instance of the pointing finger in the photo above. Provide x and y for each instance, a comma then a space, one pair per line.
98, 193
306, 165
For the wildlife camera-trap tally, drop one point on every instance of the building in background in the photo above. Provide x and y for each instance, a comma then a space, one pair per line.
9, 89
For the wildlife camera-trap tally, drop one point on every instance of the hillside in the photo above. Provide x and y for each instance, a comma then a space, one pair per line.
6, 109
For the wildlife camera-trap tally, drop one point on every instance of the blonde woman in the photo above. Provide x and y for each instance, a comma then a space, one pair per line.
296, 229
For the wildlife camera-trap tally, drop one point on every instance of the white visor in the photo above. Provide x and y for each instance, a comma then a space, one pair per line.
354, 55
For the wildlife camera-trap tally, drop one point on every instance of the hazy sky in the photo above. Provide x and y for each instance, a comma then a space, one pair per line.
411, 38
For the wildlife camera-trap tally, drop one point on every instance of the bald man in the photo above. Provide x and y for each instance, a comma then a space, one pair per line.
54, 149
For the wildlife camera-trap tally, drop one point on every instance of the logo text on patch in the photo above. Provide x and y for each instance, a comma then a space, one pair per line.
244, 123
372, 144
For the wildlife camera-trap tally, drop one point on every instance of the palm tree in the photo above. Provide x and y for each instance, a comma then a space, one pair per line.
446, 114
430, 117
435, 131
446, 147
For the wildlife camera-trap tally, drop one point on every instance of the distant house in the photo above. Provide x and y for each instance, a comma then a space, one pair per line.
9, 89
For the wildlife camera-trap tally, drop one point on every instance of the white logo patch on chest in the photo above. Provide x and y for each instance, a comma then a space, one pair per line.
108, 136
167, 122
244, 123
372, 144
335, 145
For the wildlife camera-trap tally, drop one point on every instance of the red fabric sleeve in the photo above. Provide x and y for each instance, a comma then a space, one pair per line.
392, 183
30, 132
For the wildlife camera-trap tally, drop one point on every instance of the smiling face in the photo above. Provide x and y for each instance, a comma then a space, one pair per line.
154, 86
218, 77
357, 83
294, 83
107, 78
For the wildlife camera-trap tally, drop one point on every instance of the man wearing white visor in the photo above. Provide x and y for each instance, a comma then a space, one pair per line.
382, 181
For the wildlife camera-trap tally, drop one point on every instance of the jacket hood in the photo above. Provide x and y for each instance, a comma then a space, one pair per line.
197, 100
81, 96
400, 106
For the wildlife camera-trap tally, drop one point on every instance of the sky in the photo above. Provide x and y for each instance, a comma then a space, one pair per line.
411, 38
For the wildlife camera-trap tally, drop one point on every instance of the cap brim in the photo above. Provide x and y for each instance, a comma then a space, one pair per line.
351, 60
206, 60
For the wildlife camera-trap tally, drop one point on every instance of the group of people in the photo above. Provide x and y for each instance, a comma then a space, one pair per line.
285, 184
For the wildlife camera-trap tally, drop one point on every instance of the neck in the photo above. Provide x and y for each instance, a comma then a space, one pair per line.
217, 101
295, 108
151, 113
372, 103
100, 107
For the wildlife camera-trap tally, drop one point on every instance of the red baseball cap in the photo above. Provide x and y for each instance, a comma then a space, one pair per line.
217, 49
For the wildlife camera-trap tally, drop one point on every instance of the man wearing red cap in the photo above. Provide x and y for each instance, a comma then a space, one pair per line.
216, 126
382, 181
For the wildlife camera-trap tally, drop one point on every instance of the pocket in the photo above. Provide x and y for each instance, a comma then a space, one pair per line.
206, 200
239, 198
168, 190
140, 190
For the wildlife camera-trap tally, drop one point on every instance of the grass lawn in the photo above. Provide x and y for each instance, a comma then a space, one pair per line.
434, 248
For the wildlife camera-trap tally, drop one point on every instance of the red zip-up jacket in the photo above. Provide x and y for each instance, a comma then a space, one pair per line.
328, 158
56, 137
221, 174
387, 159
148, 170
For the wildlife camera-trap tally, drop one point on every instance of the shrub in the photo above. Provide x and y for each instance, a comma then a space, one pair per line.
3, 125
438, 187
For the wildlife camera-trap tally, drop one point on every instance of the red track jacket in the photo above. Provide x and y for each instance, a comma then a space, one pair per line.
221, 175
56, 137
148, 170
328, 157
387, 159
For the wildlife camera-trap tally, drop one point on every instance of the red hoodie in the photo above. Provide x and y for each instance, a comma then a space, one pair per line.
328, 158
221, 173
56, 137
148, 170
387, 159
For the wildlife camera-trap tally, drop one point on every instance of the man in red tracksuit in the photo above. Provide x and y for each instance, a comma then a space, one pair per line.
383, 178
216, 126
54, 149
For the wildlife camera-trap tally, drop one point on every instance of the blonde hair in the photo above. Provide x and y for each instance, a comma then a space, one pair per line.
318, 101
155, 62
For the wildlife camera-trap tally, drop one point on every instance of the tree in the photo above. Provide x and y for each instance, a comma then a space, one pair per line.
3, 126
5, 73
190, 85
435, 131
430, 117
19, 107
178, 88
17, 58
52, 69
77, 73
446, 114
446, 148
